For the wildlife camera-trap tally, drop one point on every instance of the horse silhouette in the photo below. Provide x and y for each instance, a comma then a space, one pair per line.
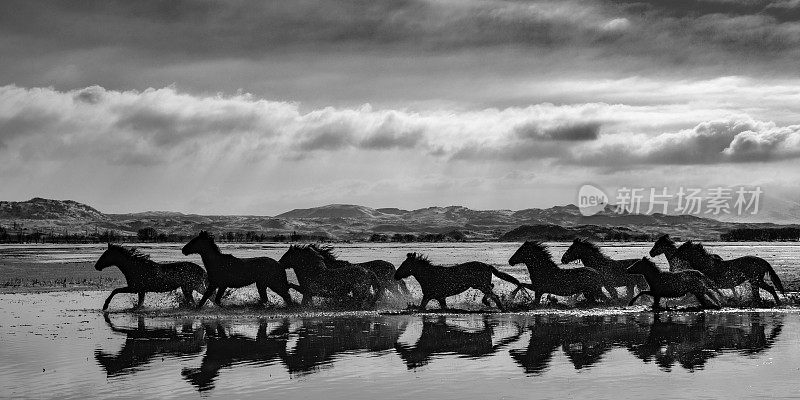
226, 271
224, 350
143, 344
321, 340
316, 279
384, 270
664, 284
730, 273
439, 282
145, 275
612, 270
547, 277
440, 337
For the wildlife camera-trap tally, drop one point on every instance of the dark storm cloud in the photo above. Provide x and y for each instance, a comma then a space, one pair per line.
254, 29
574, 131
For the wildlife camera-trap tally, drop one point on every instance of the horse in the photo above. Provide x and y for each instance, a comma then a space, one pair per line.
384, 270
439, 282
145, 275
226, 271
612, 270
666, 246
674, 284
317, 280
547, 277
730, 273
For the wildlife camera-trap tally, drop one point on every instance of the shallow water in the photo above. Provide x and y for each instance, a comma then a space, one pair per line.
60, 345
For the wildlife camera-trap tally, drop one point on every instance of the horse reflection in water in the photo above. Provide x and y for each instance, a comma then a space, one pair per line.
689, 340
225, 350
440, 337
143, 344
584, 340
318, 342
699, 337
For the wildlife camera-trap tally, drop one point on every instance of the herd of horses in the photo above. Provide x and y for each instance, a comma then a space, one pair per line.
693, 271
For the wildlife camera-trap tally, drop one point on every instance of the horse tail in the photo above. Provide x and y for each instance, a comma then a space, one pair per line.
773, 276
504, 276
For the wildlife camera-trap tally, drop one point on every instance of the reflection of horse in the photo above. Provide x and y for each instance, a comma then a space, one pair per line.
226, 271
225, 350
384, 270
439, 337
613, 270
691, 344
584, 340
547, 277
316, 279
145, 275
665, 284
440, 282
142, 344
730, 273
320, 340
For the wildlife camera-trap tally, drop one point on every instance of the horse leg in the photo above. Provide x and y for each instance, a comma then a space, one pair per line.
424, 303
188, 299
114, 293
141, 300
657, 303
496, 300
643, 292
209, 291
220, 293
442, 303
766, 286
701, 298
262, 292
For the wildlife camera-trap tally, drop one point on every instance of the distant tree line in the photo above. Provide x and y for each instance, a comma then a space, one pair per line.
18, 233
761, 234
452, 236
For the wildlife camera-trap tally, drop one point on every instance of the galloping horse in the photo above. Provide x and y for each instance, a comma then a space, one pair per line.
145, 275
226, 271
674, 284
547, 277
318, 280
730, 273
439, 282
666, 246
384, 270
613, 270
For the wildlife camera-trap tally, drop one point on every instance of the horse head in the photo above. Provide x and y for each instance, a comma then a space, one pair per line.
576, 250
641, 267
661, 245
301, 257
530, 253
408, 266
198, 244
108, 258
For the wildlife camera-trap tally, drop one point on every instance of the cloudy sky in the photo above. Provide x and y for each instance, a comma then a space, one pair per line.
258, 107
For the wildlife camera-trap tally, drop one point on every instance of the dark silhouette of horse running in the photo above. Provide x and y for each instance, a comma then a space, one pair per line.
226, 271
547, 277
384, 270
145, 275
317, 280
730, 273
613, 270
666, 246
439, 282
674, 284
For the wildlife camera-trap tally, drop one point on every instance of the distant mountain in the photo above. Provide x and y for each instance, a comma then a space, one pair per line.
354, 222
44, 209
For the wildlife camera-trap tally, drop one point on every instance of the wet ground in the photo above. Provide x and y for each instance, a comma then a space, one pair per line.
60, 345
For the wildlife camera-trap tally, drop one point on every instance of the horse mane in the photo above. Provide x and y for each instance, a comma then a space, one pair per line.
421, 258
540, 248
133, 253
327, 252
591, 245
